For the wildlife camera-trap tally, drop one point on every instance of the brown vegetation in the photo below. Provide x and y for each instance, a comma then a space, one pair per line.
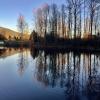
8, 34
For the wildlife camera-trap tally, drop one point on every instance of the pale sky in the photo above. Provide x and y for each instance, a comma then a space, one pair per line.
10, 10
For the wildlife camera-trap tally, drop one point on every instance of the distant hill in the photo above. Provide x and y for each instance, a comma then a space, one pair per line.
9, 34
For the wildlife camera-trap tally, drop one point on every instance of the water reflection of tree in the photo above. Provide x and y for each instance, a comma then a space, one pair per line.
22, 61
78, 74
93, 83
5, 52
34, 52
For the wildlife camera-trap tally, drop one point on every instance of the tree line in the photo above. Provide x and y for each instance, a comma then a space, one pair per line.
74, 19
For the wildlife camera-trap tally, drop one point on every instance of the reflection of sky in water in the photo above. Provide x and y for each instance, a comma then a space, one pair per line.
48, 77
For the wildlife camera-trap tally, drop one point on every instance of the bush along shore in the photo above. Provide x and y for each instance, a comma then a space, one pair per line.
16, 43
67, 44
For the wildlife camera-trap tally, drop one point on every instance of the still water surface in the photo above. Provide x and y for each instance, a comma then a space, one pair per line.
39, 75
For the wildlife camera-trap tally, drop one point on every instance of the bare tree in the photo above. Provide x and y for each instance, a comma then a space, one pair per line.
63, 16
74, 18
59, 24
93, 7
39, 23
69, 8
45, 17
21, 25
54, 14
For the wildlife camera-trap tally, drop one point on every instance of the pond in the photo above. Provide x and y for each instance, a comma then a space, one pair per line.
41, 75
